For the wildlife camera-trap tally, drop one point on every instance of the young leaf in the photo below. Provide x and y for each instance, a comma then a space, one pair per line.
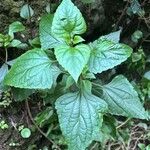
26, 11
80, 117
122, 99
15, 27
136, 36
106, 54
47, 39
68, 21
32, 70
73, 59
135, 6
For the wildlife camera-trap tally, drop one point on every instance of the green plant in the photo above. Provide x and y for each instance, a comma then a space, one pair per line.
135, 8
6, 99
26, 11
83, 101
25, 133
3, 125
8, 40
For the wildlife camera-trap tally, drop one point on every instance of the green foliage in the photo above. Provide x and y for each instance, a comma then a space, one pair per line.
5, 99
21, 94
15, 27
26, 11
122, 99
73, 59
3, 72
68, 21
88, 1
106, 54
44, 117
25, 133
80, 117
135, 8
114, 36
79, 100
36, 71
8, 40
147, 75
46, 37
136, 36
3, 125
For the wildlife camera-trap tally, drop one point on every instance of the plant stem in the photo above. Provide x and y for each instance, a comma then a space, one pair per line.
97, 85
122, 14
30, 26
31, 118
3, 61
6, 55
29, 12
50, 5
124, 123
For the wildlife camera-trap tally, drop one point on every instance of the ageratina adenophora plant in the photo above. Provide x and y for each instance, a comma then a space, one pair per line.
84, 100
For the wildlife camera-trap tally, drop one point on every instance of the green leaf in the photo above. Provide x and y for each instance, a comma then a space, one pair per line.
47, 39
15, 27
11, 62
26, 11
136, 36
69, 82
26, 133
44, 117
122, 99
73, 59
135, 6
3, 72
68, 21
77, 39
18, 44
106, 54
21, 94
32, 70
35, 42
114, 36
80, 117
88, 1
147, 75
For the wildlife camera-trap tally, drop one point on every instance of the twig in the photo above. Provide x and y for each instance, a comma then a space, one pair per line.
144, 39
134, 148
31, 118
92, 148
143, 3
29, 12
30, 19
121, 16
124, 123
